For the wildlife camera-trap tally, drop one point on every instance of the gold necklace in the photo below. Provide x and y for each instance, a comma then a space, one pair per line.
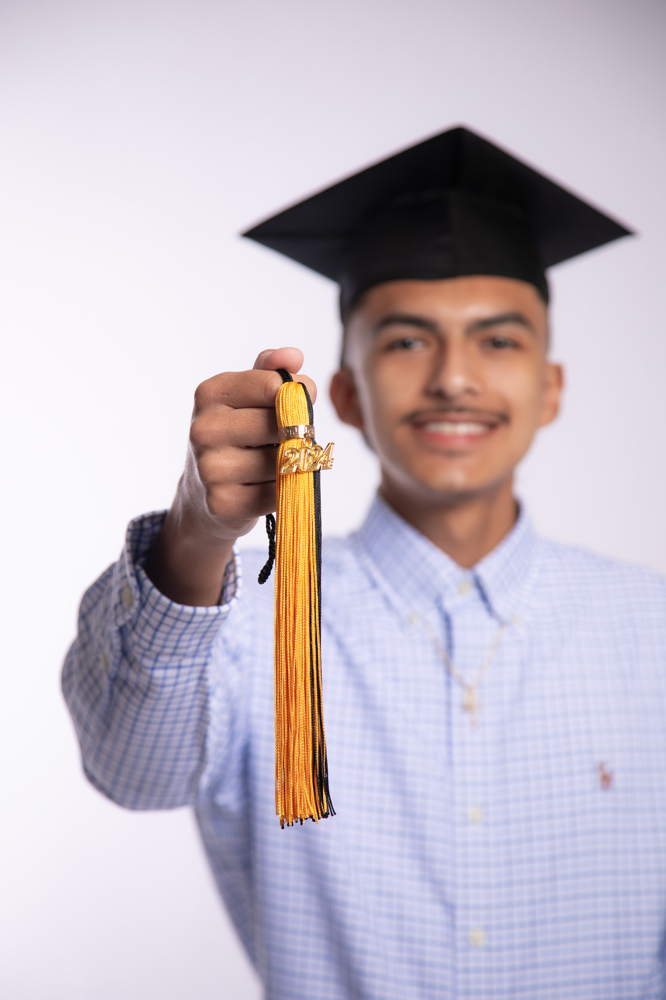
471, 696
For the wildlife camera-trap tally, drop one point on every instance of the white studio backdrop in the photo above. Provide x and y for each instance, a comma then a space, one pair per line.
136, 140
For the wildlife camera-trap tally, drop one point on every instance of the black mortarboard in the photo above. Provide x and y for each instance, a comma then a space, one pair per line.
450, 206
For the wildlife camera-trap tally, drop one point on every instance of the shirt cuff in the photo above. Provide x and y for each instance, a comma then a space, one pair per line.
155, 620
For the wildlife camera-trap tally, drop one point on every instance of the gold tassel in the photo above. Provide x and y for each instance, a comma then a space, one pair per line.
301, 770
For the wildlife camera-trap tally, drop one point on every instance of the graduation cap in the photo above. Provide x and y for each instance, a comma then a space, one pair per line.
453, 205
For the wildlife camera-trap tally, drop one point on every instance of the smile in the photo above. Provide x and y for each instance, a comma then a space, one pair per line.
458, 428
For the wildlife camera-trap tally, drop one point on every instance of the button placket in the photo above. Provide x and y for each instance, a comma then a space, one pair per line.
473, 631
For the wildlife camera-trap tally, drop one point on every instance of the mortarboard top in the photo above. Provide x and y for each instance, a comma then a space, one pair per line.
452, 205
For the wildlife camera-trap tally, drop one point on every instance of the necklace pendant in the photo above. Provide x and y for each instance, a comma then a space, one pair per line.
471, 703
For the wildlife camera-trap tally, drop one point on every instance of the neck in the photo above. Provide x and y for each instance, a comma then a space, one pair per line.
466, 529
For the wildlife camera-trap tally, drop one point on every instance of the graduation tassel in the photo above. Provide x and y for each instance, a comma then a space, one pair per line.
301, 770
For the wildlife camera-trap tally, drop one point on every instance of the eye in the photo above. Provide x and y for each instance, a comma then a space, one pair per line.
500, 343
407, 343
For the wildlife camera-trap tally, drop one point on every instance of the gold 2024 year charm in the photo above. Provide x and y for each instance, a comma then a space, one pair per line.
305, 455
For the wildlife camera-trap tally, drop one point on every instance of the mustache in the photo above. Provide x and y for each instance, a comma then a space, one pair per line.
441, 412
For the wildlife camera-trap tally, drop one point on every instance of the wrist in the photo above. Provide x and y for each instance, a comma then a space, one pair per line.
187, 563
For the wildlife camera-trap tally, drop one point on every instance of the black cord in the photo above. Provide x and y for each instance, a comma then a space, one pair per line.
267, 569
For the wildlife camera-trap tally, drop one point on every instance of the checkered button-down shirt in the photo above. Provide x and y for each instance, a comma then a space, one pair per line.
524, 857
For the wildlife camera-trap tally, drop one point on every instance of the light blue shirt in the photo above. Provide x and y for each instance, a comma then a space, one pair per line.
521, 858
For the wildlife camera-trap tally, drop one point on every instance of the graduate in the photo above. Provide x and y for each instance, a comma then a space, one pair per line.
494, 703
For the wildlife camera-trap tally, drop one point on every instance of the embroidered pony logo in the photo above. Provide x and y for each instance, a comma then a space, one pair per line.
605, 777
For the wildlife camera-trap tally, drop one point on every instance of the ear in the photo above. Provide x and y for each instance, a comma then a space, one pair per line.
552, 393
344, 397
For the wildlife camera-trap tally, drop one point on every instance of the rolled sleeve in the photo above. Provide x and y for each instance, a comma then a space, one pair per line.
137, 680
134, 594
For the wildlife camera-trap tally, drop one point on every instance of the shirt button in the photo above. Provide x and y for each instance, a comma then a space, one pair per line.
477, 937
103, 662
413, 619
127, 596
464, 587
475, 814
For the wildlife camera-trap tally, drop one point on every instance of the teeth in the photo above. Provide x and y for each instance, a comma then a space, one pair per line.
462, 429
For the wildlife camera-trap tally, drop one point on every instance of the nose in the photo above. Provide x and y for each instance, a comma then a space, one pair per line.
453, 373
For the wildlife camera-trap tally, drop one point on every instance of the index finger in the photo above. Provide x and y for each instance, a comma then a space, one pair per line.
255, 389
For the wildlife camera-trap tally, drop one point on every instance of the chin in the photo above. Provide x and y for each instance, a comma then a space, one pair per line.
453, 487
455, 479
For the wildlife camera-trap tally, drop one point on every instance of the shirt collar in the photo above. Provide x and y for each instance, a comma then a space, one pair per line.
416, 575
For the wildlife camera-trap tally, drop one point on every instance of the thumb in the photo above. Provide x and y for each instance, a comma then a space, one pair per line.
289, 358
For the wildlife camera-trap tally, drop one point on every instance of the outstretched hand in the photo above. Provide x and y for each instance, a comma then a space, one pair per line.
229, 478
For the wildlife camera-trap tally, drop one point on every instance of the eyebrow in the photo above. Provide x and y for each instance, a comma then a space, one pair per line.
421, 323
513, 318
406, 319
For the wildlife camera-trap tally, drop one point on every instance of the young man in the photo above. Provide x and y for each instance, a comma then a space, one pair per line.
494, 703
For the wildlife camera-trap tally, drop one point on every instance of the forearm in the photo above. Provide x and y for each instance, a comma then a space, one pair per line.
142, 740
